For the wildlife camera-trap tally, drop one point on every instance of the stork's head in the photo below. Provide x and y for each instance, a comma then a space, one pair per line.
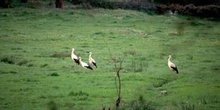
73, 49
169, 56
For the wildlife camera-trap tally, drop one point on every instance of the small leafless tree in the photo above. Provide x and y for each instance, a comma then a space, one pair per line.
117, 68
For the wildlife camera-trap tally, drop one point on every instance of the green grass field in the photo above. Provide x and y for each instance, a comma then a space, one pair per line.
37, 73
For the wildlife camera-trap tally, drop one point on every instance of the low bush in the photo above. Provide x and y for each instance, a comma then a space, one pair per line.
187, 2
191, 9
143, 5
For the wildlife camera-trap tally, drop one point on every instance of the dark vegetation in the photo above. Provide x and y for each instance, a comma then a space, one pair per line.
191, 9
186, 2
143, 5
204, 8
59, 3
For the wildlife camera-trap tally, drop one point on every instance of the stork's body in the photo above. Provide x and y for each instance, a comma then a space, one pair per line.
91, 60
84, 65
74, 57
171, 65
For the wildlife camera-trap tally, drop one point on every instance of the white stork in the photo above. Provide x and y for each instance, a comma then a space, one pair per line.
84, 65
171, 65
74, 57
91, 60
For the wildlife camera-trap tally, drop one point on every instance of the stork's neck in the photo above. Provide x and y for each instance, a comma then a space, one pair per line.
169, 58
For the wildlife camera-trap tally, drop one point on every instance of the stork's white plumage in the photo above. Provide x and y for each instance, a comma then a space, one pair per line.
171, 65
84, 65
91, 60
74, 56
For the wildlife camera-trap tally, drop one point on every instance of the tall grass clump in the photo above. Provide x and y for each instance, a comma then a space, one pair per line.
187, 106
52, 105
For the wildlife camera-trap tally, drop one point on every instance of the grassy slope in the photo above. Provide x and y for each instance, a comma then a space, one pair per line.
36, 71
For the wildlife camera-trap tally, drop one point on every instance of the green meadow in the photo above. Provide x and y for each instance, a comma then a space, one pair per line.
37, 73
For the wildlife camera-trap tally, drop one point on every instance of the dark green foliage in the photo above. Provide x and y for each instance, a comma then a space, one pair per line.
54, 74
8, 60
205, 8
19, 3
82, 96
52, 105
22, 3
9, 3
207, 11
80, 93
186, 2
14, 60
159, 82
22, 62
142, 5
